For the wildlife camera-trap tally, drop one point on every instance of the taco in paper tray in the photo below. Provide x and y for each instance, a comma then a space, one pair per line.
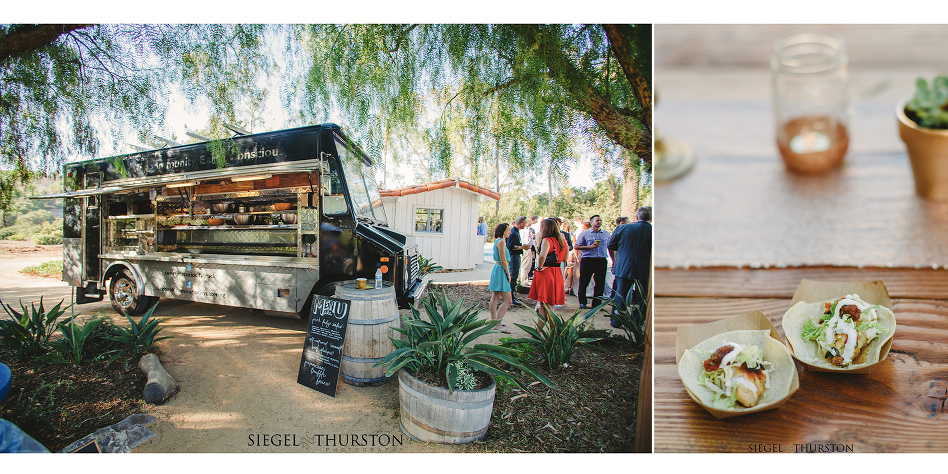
843, 334
738, 371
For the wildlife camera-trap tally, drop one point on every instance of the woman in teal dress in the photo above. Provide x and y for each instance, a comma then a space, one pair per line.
500, 277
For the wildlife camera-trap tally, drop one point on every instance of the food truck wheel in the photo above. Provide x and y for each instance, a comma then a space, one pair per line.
124, 295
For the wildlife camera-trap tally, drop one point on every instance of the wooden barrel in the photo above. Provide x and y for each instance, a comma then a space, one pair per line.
433, 414
372, 316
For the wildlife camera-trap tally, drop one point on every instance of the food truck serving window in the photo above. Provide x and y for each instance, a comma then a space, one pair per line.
364, 193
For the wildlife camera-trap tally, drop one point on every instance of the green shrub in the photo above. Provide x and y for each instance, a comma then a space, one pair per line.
558, 338
47, 269
444, 343
34, 218
140, 336
71, 347
426, 266
631, 320
48, 239
6, 232
28, 332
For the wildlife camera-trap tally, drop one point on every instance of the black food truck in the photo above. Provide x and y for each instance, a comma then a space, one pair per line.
260, 221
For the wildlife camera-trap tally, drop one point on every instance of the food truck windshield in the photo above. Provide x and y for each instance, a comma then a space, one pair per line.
366, 200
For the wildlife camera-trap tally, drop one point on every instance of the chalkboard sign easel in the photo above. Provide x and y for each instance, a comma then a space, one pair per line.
322, 350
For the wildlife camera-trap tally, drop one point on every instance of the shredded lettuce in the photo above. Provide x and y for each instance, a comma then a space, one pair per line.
812, 331
871, 324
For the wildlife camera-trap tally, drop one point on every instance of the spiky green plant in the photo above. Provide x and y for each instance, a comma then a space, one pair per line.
929, 106
71, 347
631, 319
139, 337
28, 332
439, 344
558, 337
426, 266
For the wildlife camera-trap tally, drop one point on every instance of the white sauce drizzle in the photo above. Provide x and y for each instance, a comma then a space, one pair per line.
838, 325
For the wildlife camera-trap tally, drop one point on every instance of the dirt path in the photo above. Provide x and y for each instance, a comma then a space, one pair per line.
237, 372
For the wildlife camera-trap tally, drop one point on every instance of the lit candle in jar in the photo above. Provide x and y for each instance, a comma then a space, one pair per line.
809, 141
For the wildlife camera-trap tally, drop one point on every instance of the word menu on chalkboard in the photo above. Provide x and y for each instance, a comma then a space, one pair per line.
322, 350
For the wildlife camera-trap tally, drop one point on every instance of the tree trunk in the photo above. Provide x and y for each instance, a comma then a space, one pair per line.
630, 187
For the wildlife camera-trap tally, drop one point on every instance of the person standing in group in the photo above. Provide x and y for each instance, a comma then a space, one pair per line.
621, 221
500, 277
593, 262
528, 237
567, 265
516, 251
631, 251
547, 287
534, 231
482, 227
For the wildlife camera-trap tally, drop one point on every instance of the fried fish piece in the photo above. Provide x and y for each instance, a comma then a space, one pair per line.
749, 384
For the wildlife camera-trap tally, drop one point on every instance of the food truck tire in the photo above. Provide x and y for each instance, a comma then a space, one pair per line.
123, 292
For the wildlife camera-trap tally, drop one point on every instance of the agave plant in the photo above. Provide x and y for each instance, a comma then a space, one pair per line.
631, 319
70, 347
444, 343
559, 337
140, 336
28, 331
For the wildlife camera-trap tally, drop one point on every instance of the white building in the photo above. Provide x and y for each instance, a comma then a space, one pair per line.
442, 218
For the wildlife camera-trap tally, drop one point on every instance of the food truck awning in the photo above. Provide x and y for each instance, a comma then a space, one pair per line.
82, 193
191, 178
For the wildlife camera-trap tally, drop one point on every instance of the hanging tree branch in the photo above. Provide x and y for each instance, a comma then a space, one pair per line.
22, 39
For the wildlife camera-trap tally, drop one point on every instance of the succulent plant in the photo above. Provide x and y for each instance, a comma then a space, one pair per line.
929, 107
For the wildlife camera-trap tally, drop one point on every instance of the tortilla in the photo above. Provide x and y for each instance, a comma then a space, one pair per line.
808, 352
781, 377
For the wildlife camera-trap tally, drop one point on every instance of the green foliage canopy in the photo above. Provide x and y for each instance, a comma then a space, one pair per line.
487, 91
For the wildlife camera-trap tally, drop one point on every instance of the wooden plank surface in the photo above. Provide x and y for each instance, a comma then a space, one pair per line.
781, 283
897, 408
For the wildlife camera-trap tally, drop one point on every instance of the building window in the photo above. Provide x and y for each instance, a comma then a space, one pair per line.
428, 220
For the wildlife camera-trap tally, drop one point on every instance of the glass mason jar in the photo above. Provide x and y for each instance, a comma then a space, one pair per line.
811, 101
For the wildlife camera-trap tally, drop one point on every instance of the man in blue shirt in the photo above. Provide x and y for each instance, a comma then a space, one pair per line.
631, 251
481, 227
592, 242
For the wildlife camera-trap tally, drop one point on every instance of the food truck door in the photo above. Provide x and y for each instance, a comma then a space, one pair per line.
91, 229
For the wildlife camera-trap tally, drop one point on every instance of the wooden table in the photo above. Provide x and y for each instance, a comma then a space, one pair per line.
738, 233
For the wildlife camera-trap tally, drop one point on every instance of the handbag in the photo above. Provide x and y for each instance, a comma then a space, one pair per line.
551, 260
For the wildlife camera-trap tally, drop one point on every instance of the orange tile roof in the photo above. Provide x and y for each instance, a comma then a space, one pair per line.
441, 184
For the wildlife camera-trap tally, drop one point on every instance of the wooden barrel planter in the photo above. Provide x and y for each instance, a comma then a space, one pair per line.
430, 413
372, 316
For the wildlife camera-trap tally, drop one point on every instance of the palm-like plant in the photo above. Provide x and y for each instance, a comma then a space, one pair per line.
559, 337
28, 331
140, 336
426, 266
69, 348
444, 342
631, 319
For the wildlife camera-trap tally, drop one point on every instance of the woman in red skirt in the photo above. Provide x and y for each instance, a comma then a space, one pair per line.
547, 284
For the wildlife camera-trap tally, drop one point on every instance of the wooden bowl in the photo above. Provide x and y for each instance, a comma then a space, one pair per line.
215, 222
282, 206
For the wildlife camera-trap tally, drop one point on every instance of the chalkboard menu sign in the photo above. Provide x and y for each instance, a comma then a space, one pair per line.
322, 351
